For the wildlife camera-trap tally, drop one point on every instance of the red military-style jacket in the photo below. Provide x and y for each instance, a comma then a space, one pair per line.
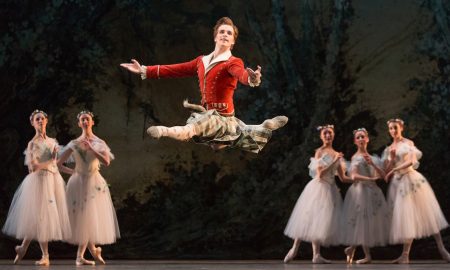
217, 78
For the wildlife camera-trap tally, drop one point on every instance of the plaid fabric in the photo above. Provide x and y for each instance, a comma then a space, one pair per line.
217, 129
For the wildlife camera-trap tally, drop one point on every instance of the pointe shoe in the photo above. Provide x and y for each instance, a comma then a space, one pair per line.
83, 261
320, 259
275, 123
155, 132
98, 255
290, 255
44, 261
403, 259
350, 252
445, 255
19, 254
364, 261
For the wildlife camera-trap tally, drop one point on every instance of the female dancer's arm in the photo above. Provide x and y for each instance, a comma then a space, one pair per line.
380, 173
64, 156
102, 156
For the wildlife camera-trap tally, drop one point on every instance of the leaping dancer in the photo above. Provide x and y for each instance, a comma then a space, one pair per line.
213, 122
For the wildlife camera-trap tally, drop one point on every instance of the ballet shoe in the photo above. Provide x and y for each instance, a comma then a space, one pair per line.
155, 132
364, 261
445, 255
19, 254
290, 255
44, 261
350, 252
97, 254
319, 259
403, 259
275, 123
82, 261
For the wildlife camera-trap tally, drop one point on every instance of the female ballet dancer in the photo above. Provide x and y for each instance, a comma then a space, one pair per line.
316, 216
214, 123
365, 213
38, 210
91, 211
415, 212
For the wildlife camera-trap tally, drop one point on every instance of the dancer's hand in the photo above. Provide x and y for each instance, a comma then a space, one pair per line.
133, 67
388, 175
87, 144
392, 153
255, 75
339, 155
368, 159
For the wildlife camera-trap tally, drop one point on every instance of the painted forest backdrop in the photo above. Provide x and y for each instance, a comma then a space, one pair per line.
347, 62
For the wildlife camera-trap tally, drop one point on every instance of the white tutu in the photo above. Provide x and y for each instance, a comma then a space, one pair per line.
415, 212
91, 211
316, 215
365, 215
38, 210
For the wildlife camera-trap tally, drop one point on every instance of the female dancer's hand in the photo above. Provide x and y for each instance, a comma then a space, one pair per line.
392, 154
388, 175
368, 159
134, 66
87, 144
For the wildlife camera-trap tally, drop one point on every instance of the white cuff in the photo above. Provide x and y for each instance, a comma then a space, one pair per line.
143, 72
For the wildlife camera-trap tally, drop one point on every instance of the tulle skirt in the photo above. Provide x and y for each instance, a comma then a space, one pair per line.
38, 210
316, 215
365, 216
415, 212
91, 211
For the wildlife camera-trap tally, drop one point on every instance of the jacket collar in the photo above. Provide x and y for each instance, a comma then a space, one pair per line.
209, 64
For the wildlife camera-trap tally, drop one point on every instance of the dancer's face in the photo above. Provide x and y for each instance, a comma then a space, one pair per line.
327, 135
361, 139
395, 129
39, 122
225, 36
85, 121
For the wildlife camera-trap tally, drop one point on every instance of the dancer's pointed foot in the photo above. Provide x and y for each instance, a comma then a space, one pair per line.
82, 261
20, 252
364, 261
320, 259
275, 123
44, 261
156, 132
445, 255
97, 254
350, 252
403, 259
290, 255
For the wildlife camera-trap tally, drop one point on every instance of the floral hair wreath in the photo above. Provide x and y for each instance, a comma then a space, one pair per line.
360, 129
319, 128
395, 120
85, 112
36, 112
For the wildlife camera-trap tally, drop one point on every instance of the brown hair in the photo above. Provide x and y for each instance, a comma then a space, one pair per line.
226, 21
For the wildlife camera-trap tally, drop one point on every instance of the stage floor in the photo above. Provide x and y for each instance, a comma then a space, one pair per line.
224, 265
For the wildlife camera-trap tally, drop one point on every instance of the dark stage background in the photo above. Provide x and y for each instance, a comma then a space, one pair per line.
347, 62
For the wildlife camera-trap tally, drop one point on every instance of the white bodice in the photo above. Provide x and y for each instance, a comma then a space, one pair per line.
85, 161
323, 161
41, 149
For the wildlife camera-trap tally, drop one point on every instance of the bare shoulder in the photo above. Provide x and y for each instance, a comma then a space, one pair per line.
408, 141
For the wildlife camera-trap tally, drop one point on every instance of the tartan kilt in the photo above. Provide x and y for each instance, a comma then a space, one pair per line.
214, 128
